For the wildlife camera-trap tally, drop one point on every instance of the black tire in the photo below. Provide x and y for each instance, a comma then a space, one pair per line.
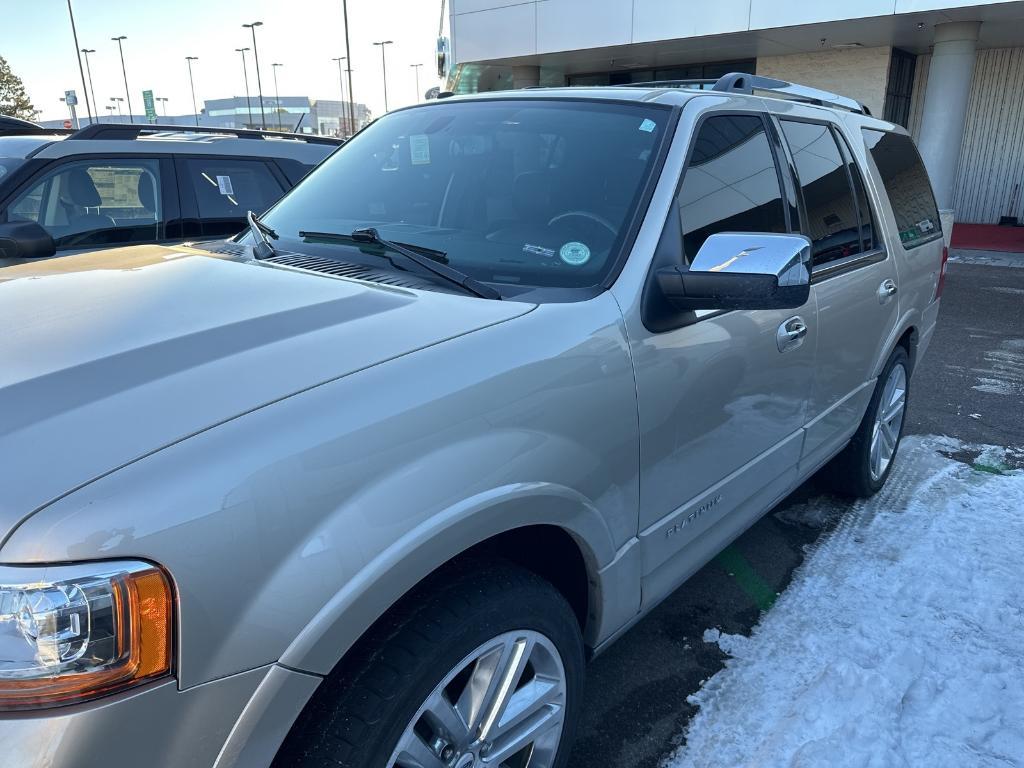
360, 711
849, 473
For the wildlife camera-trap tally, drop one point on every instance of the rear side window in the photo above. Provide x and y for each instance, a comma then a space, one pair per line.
228, 189
731, 183
832, 220
907, 185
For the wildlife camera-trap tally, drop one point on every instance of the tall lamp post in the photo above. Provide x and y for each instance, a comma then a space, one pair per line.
384, 66
192, 84
124, 72
110, 108
164, 100
341, 85
259, 84
117, 100
88, 70
277, 94
245, 75
416, 69
74, 34
348, 55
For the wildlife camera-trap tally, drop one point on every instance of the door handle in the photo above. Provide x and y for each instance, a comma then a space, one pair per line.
886, 290
791, 334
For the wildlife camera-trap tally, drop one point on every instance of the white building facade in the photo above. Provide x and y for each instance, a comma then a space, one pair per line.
951, 72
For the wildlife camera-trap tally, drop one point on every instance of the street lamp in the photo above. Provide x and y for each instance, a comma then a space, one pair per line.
74, 34
245, 74
256, 55
192, 84
88, 69
341, 84
277, 94
111, 109
117, 100
384, 66
164, 100
416, 69
124, 72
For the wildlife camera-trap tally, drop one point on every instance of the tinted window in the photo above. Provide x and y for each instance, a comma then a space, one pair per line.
228, 189
95, 202
907, 185
867, 218
832, 222
731, 183
536, 192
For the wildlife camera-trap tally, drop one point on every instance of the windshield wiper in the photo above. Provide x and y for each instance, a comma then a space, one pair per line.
261, 234
452, 275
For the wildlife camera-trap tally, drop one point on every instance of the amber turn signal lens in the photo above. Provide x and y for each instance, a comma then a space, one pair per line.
84, 636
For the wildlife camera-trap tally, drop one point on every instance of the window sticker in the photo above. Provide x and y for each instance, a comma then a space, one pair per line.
648, 125
419, 149
925, 225
224, 185
574, 254
539, 250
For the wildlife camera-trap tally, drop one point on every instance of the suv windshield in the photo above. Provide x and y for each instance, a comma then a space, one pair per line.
532, 192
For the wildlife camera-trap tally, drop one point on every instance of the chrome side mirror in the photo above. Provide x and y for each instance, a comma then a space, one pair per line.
742, 270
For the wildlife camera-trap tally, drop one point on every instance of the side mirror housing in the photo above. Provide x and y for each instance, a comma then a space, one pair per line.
742, 270
25, 240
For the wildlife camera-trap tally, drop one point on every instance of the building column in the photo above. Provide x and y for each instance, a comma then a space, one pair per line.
944, 111
525, 76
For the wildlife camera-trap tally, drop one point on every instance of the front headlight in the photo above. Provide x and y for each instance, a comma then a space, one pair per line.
73, 633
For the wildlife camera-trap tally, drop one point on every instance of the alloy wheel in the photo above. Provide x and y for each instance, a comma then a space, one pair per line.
888, 422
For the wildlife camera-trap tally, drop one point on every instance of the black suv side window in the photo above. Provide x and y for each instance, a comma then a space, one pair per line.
731, 183
832, 221
95, 202
227, 189
907, 185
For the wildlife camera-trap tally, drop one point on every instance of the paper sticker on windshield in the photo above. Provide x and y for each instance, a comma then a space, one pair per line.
574, 254
648, 125
224, 185
539, 250
419, 149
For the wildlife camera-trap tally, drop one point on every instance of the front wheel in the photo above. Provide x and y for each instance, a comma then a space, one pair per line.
482, 667
862, 468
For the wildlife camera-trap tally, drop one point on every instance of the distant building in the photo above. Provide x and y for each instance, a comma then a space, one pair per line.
289, 113
330, 117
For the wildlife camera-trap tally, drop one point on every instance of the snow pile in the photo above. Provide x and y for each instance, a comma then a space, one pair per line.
899, 643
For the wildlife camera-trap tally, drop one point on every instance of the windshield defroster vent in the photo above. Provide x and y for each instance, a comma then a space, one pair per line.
347, 269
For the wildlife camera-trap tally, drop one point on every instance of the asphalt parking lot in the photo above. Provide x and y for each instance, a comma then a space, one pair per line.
969, 386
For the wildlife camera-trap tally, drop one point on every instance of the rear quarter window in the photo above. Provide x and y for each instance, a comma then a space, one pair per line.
907, 186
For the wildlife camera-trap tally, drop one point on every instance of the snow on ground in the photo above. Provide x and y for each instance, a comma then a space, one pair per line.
900, 641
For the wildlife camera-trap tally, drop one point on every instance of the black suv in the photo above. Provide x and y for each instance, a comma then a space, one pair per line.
109, 185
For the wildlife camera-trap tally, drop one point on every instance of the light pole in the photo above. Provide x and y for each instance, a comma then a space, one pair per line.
277, 94
416, 69
259, 84
110, 109
384, 66
117, 100
192, 84
341, 84
245, 74
164, 100
74, 34
88, 70
348, 56
124, 72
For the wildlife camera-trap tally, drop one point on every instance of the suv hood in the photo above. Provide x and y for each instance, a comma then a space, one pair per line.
111, 355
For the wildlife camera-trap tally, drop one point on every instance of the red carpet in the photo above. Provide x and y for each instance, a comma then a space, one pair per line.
988, 237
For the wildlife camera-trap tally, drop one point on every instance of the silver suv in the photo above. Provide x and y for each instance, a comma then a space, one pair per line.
366, 486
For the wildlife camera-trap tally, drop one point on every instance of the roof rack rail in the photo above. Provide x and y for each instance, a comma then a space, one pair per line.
741, 82
128, 131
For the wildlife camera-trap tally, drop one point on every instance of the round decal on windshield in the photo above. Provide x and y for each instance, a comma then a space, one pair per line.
574, 254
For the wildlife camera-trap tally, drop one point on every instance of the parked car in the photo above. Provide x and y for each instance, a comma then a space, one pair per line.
117, 184
366, 485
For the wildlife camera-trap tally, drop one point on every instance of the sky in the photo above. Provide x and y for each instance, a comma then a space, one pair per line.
303, 35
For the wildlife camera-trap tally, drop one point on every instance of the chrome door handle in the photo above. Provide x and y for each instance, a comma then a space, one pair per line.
886, 290
791, 334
